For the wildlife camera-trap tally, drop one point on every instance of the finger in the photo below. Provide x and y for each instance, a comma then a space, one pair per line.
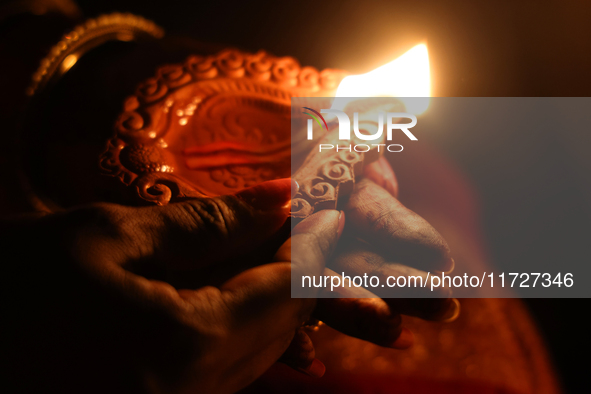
358, 258
253, 315
400, 234
382, 174
205, 231
312, 242
265, 291
248, 323
301, 355
400, 285
361, 314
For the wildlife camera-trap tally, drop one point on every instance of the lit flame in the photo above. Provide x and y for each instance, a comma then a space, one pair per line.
406, 76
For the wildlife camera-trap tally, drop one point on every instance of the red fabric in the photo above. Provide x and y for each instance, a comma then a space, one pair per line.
282, 379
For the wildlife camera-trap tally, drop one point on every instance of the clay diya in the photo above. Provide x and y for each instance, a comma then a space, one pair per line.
216, 124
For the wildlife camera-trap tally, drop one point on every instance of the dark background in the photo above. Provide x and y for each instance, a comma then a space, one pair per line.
535, 196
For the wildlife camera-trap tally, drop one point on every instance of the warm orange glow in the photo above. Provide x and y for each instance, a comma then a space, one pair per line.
69, 62
404, 77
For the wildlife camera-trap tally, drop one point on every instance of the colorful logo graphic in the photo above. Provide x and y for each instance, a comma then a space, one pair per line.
315, 118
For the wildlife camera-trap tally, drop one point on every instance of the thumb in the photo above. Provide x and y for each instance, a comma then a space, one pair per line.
205, 231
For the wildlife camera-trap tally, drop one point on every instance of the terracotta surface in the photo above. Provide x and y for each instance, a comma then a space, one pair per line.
211, 126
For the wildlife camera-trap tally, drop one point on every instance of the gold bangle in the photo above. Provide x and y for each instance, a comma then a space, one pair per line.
63, 56
89, 35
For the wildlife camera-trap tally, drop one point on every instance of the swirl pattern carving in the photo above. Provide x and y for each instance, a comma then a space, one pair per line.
216, 93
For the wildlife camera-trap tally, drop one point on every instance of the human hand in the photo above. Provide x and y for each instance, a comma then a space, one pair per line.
109, 313
383, 238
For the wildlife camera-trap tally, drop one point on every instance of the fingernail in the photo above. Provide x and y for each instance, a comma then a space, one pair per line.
405, 340
315, 370
269, 195
295, 187
453, 312
341, 224
450, 266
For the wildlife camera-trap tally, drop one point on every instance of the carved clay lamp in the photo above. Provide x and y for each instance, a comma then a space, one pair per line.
212, 125
209, 125
216, 124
